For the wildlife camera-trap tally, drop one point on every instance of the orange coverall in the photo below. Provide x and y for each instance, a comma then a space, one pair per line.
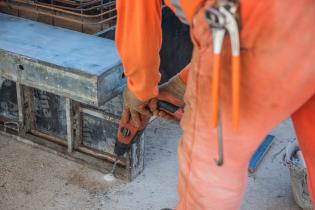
278, 81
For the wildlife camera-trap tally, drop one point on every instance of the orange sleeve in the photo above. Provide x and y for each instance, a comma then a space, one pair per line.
138, 40
183, 74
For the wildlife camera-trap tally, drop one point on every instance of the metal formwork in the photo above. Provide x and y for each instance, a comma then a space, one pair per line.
62, 89
67, 63
66, 118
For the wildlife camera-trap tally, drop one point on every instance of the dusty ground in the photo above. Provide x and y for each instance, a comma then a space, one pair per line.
32, 179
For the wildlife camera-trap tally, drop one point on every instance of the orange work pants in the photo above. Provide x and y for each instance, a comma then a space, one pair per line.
277, 81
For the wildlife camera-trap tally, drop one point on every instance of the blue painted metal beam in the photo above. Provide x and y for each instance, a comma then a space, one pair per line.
260, 153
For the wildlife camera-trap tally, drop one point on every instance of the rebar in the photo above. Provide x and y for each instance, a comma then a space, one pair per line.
88, 16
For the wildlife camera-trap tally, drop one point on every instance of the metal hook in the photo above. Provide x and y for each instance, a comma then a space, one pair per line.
220, 159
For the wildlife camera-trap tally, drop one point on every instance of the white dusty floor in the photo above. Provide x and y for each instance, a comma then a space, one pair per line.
32, 179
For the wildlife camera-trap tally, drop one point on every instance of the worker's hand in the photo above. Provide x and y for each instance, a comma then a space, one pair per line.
173, 92
134, 108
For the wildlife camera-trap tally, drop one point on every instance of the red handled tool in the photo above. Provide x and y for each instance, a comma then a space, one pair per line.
128, 133
171, 109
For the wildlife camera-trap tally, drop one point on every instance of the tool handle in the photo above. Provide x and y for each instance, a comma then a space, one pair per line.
215, 90
236, 77
164, 105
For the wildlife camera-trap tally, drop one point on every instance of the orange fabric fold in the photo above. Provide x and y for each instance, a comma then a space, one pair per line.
183, 74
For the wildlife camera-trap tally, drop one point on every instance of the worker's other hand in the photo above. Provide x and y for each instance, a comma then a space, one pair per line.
134, 108
173, 92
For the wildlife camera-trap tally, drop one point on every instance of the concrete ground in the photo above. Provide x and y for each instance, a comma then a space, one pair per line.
32, 179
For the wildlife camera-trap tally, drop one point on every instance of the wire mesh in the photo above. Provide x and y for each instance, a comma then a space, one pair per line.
88, 16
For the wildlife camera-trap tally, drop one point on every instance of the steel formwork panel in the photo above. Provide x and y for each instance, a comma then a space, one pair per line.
58, 86
84, 132
81, 67
77, 139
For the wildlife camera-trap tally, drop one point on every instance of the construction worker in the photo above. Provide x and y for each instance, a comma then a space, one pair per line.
277, 80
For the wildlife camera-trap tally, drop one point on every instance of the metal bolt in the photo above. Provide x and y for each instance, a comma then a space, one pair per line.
125, 132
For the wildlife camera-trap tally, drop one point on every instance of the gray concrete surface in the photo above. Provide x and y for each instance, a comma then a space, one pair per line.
32, 179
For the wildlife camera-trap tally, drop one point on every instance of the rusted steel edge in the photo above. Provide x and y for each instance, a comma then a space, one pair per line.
49, 137
10, 124
63, 142
108, 157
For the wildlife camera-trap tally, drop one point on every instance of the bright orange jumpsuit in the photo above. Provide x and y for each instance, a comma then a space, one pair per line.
278, 81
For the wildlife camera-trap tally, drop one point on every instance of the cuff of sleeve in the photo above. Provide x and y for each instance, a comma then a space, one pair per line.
146, 95
144, 92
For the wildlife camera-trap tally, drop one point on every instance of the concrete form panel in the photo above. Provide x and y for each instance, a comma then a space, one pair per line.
71, 64
8, 99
